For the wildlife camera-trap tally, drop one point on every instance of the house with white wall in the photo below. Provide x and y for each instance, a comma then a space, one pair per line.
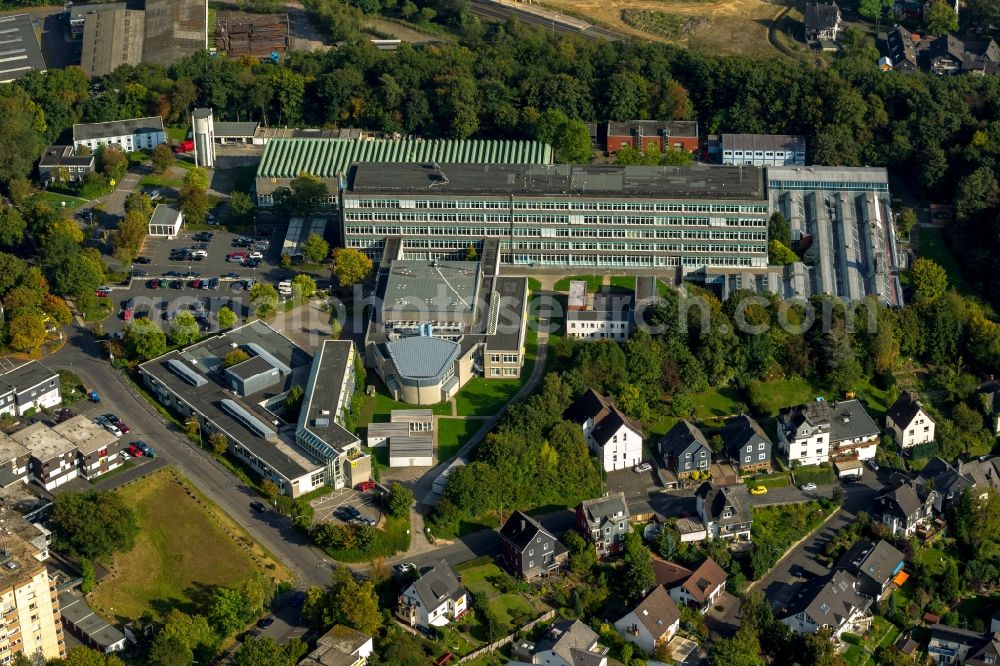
821, 431
702, 588
832, 603
29, 387
126, 135
652, 622
611, 436
909, 422
434, 599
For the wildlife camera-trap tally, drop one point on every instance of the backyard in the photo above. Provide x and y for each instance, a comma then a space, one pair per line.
485, 580
452, 434
818, 474
781, 526
882, 632
186, 546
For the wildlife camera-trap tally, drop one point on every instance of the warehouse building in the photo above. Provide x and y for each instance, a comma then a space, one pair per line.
112, 37
680, 220
174, 29
20, 51
329, 158
764, 149
245, 401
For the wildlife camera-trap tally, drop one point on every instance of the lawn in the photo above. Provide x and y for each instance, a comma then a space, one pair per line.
821, 476
485, 397
933, 247
394, 538
775, 480
594, 282
71, 388
717, 403
978, 608
452, 434
781, 526
513, 609
771, 396
625, 283
59, 201
376, 410
186, 546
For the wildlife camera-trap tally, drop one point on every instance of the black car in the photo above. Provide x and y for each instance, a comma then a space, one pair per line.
138, 273
232, 276
251, 263
171, 274
143, 260
204, 236
258, 507
201, 246
177, 284
265, 622
192, 274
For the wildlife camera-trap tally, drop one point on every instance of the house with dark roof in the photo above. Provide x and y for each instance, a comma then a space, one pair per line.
434, 599
747, 445
702, 588
988, 654
822, 22
685, 449
669, 574
833, 602
946, 55
29, 387
906, 507
909, 422
614, 438
126, 135
61, 163
642, 135
725, 511
340, 646
874, 565
570, 643
821, 431
991, 400
651, 623
902, 46
948, 480
604, 522
527, 549
953, 645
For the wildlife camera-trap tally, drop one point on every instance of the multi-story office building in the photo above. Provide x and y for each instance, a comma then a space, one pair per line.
126, 135
677, 219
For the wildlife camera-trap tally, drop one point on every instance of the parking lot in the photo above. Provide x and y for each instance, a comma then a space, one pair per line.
331, 507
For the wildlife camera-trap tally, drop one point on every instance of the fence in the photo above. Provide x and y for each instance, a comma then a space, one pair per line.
496, 645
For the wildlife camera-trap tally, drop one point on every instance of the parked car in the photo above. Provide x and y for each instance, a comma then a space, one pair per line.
163, 283
758, 490
236, 257
172, 274
177, 284
139, 273
64, 415
196, 284
873, 465
249, 283
256, 255
143, 260
134, 451
154, 195
265, 622
365, 486
199, 253
110, 427
251, 263
127, 314
211, 283
103, 292
259, 507
146, 449
808, 487
406, 567
192, 274
643, 467
232, 276
204, 236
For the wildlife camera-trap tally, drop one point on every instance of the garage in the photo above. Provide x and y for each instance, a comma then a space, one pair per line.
166, 222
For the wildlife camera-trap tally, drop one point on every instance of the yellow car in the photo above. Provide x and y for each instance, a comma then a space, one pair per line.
759, 490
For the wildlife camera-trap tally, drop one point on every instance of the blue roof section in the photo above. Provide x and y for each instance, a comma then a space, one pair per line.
423, 357
327, 157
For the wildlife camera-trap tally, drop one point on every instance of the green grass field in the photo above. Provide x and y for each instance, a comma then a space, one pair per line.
186, 546
59, 201
624, 283
775, 480
821, 476
485, 397
452, 434
718, 402
594, 282
781, 526
773, 395
512, 609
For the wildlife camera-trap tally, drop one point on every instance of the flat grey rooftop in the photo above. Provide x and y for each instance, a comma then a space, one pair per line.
10, 449
26, 376
86, 435
782, 142
324, 394
43, 442
164, 214
19, 46
561, 180
826, 175
226, 129
424, 287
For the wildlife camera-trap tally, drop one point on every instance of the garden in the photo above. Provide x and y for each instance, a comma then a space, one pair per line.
512, 603
821, 475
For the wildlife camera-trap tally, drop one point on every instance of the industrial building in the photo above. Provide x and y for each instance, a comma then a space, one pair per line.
329, 158
680, 220
245, 401
264, 37
440, 323
112, 37
764, 149
174, 29
203, 130
78, 14
20, 51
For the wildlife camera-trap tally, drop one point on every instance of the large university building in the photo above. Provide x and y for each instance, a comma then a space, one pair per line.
686, 218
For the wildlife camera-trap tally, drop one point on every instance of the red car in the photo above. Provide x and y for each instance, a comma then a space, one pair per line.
103, 292
365, 486
134, 451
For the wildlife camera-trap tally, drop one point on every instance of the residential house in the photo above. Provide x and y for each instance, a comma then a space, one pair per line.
906, 507
604, 522
61, 163
611, 436
608, 316
948, 480
747, 445
902, 47
569, 643
14, 459
875, 566
669, 574
434, 599
988, 654
645, 134
819, 431
951, 645
685, 450
909, 422
126, 135
833, 602
29, 387
725, 511
527, 549
946, 55
991, 399
822, 22
341, 646
652, 622
702, 588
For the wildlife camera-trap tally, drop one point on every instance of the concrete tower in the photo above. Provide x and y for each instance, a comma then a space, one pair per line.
203, 129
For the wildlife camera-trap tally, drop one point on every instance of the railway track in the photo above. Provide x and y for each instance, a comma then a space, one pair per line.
494, 10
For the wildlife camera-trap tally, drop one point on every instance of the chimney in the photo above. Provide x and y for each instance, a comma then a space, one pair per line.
524, 524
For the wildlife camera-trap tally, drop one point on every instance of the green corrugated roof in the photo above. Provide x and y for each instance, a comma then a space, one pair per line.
287, 158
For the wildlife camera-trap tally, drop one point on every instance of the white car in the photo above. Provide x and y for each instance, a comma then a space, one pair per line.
643, 467
808, 487
256, 255
108, 425
199, 253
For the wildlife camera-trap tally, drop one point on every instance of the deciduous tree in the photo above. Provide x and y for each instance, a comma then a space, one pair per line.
263, 299
163, 158
350, 266
185, 329
226, 317
929, 280
144, 339
314, 249
93, 524
27, 332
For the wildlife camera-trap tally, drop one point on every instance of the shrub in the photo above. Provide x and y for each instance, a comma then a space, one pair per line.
848, 637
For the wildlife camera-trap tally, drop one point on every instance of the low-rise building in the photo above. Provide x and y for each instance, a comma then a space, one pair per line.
569, 643
874, 566
906, 508
822, 431
611, 436
909, 422
608, 316
725, 511
747, 445
527, 549
949, 480
952, 645
702, 588
651, 623
832, 603
434, 599
822, 22
14, 461
166, 221
92, 629
98, 450
409, 436
340, 646
126, 135
53, 459
764, 149
604, 522
28, 388
21, 51
661, 135
61, 164
685, 450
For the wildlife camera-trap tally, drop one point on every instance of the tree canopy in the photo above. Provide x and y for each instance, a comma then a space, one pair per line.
93, 524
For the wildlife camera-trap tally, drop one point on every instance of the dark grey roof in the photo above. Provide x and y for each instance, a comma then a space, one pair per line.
681, 128
957, 634
561, 180
947, 46
905, 499
902, 46
821, 16
831, 600
587, 406
225, 129
741, 431
880, 561
520, 529
57, 156
438, 585
75, 612
87, 131
566, 637
716, 500
600, 510
508, 335
20, 47
765, 142
27, 376
682, 438
323, 394
988, 654
164, 214
608, 419
174, 29
845, 420
904, 409
421, 357
943, 477
251, 367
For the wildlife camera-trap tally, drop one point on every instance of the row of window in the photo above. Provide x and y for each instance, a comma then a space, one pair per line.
505, 220
505, 358
760, 249
760, 456
535, 204
507, 372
